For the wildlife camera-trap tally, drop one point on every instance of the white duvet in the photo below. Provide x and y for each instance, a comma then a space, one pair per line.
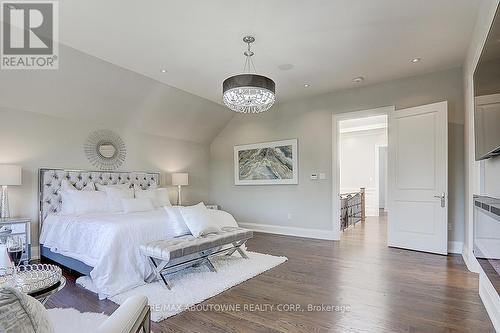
109, 242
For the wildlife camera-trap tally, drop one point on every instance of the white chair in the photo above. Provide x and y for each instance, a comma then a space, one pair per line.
22, 313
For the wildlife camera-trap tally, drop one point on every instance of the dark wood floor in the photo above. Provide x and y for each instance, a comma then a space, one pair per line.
385, 289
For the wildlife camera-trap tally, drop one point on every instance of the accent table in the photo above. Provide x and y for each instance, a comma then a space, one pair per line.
17, 226
44, 294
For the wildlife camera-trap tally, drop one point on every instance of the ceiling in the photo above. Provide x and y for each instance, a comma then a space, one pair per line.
324, 43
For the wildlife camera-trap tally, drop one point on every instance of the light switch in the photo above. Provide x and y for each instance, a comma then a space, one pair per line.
314, 176
322, 175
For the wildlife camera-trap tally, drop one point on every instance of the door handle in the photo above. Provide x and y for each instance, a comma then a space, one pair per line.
443, 199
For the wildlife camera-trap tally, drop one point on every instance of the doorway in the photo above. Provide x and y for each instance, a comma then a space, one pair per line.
417, 174
360, 160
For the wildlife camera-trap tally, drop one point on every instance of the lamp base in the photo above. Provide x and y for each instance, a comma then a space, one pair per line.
4, 203
179, 195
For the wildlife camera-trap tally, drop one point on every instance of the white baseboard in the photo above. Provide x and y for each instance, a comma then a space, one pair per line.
455, 247
292, 231
490, 299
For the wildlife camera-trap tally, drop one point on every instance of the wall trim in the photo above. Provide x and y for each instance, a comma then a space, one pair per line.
455, 247
292, 231
490, 299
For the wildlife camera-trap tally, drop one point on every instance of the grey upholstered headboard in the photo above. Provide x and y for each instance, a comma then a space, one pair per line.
50, 184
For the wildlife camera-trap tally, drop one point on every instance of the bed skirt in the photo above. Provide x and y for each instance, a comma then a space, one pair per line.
73, 264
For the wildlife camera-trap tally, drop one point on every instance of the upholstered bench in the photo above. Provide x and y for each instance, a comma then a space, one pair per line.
171, 255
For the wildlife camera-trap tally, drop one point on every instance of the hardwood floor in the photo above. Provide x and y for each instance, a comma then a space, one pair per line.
384, 289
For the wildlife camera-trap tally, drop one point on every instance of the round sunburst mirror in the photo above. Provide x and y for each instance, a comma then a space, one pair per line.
105, 150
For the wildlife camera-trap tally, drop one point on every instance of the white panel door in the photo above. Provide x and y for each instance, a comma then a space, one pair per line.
418, 178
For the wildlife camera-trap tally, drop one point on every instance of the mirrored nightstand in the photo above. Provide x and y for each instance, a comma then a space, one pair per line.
17, 226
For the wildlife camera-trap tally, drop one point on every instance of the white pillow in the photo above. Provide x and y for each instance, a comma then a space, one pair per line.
158, 196
67, 207
176, 225
137, 205
115, 195
88, 201
222, 218
101, 187
198, 220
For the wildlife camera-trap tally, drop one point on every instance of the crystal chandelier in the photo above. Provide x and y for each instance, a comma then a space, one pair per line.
248, 93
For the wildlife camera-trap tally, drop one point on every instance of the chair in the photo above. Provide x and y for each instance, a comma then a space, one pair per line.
24, 314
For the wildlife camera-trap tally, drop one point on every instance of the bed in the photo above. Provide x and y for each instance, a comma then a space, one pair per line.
65, 239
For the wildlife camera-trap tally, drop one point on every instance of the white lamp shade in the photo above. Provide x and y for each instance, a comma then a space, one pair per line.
10, 174
180, 179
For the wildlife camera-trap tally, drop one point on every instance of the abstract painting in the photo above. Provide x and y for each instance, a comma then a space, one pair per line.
266, 163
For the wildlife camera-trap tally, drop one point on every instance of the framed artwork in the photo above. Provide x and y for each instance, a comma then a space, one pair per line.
268, 163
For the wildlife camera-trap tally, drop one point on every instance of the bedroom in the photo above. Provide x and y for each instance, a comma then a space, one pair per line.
143, 105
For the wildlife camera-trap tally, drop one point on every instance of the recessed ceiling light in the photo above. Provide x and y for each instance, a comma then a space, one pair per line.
358, 79
306, 85
163, 70
414, 60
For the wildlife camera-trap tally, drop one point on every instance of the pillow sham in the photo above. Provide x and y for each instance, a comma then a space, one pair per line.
159, 196
137, 205
114, 196
88, 201
198, 220
175, 222
67, 206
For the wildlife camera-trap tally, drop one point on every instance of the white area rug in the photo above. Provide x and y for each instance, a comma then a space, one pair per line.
71, 320
194, 285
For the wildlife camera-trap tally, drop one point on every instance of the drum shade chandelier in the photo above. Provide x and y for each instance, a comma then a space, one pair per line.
248, 93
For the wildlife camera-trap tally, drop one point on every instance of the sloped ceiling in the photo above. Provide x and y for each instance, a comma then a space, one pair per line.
88, 88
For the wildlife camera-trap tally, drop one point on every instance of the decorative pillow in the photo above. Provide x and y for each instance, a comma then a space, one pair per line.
21, 313
198, 220
176, 225
159, 196
67, 207
85, 202
115, 195
101, 187
137, 205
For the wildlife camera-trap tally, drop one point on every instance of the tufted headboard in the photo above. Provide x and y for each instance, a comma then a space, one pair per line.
50, 184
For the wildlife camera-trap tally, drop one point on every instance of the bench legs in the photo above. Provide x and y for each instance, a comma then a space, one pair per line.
158, 270
237, 247
161, 267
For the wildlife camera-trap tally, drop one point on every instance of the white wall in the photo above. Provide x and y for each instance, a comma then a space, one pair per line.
490, 168
357, 164
310, 120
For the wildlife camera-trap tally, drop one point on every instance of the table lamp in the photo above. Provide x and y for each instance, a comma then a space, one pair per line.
10, 175
179, 180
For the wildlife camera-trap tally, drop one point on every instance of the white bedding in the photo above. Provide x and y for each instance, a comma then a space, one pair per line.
109, 242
